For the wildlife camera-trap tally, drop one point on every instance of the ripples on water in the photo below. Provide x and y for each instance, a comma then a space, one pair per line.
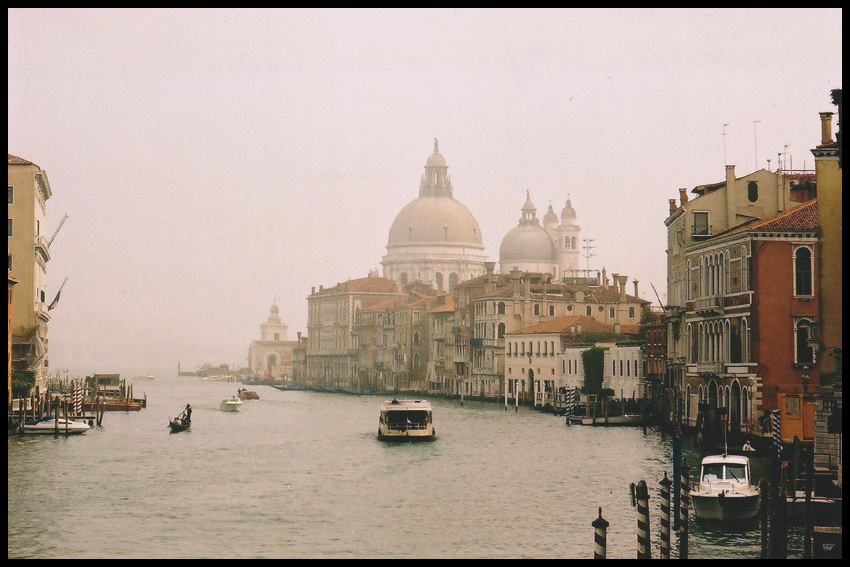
301, 474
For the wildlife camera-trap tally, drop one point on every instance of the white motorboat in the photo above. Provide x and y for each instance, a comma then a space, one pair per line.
233, 403
725, 491
406, 420
48, 425
144, 377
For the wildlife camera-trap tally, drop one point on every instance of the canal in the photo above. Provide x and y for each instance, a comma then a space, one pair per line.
302, 475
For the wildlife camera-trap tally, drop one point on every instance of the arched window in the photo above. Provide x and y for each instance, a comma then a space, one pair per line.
551, 311
803, 271
536, 309
589, 311
453, 280
277, 336
403, 278
416, 361
804, 353
501, 334
745, 341
745, 269
416, 338
501, 308
753, 191
439, 278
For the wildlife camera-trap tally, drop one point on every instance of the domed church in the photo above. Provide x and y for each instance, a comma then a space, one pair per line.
434, 238
551, 249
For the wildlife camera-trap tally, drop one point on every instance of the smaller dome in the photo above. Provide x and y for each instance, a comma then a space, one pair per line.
527, 243
436, 159
550, 219
274, 309
568, 212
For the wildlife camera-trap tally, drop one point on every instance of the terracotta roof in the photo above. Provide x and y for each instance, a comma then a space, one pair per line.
363, 285
447, 307
802, 217
564, 325
15, 160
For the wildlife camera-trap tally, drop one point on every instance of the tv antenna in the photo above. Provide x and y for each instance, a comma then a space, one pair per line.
725, 161
755, 142
587, 248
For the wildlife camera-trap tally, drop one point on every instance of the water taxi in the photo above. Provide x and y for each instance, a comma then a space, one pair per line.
724, 491
49, 425
233, 403
406, 420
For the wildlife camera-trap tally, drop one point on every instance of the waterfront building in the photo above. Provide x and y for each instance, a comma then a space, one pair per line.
740, 294
271, 357
332, 354
659, 386
544, 358
828, 332
29, 253
12, 283
434, 238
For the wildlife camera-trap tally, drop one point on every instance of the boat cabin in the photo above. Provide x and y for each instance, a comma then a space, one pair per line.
731, 468
406, 415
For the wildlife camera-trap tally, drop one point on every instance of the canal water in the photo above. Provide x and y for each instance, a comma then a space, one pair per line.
301, 474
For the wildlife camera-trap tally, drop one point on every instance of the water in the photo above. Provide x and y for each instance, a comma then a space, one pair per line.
302, 475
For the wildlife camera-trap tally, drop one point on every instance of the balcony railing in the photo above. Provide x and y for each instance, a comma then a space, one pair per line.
713, 304
709, 367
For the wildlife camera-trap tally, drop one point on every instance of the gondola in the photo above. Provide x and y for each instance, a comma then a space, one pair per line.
182, 422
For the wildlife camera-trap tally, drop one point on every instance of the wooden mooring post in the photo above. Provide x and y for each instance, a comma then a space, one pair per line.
683, 510
665, 516
642, 499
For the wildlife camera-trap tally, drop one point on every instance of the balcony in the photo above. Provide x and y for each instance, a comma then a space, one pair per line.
709, 305
42, 248
710, 367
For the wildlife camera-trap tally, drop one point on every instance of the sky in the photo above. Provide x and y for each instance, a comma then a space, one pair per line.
214, 161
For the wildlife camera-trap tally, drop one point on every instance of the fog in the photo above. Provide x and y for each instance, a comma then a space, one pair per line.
211, 160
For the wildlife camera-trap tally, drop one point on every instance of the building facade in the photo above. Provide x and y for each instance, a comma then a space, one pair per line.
29, 253
271, 357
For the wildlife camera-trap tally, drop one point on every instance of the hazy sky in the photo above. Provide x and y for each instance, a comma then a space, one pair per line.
213, 160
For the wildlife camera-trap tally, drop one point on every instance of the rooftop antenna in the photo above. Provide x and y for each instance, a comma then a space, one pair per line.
725, 161
756, 142
587, 248
661, 303
785, 153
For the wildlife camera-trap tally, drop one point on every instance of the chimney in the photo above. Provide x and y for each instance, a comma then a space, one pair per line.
622, 287
731, 213
683, 195
489, 266
604, 279
825, 127
299, 336
673, 206
636, 286
314, 291
578, 327
615, 279
616, 328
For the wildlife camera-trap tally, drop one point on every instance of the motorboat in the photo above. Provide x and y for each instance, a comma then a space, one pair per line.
233, 403
724, 491
48, 425
609, 420
245, 394
406, 420
144, 377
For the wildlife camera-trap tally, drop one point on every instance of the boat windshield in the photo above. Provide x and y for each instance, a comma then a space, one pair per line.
713, 472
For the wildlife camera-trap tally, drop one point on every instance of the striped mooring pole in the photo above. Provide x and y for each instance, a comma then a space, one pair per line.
600, 536
683, 510
571, 404
665, 516
776, 449
642, 498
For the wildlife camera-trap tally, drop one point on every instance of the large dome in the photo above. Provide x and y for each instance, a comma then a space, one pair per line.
432, 219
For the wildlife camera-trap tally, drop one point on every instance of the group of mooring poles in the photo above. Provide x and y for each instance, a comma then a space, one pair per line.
640, 500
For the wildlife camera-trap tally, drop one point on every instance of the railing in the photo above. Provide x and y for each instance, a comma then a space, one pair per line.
708, 304
709, 367
406, 426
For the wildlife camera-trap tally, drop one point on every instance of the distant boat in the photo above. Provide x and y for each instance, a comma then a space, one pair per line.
245, 394
182, 422
611, 420
144, 377
48, 425
406, 420
724, 491
233, 403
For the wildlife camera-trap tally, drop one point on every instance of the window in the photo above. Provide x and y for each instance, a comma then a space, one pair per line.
631, 312
536, 309
501, 334
11, 195
403, 278
416, 338
416, 316
611, 313
803, 271
805, 353
551, 311
588, 311
501, 308
277, 336
700, 224
569, 307
753, 191
10, 227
